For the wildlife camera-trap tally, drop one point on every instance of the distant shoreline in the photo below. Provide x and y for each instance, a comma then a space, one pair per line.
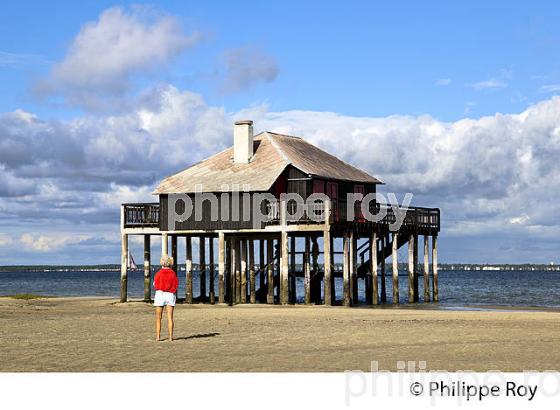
402, 266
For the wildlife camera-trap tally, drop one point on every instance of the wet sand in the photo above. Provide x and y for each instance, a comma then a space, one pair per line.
92, 334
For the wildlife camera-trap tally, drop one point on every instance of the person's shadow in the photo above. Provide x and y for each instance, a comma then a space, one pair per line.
198, 336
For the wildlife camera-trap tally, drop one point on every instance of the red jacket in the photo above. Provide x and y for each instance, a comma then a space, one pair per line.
166, 280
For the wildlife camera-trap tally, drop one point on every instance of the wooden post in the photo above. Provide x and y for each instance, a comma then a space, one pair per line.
353, 273
426, 269
188, 270
395, 269
227, 274
411, 268
202, 267
327, 260
292, 274
124, 267
346, 270
262, 271
221, 267
270, 271
416, 273
233, 271
211, 291
373, 261
174, 252
164, 244
307, 271
284, 293
147, 269
384, 243
435, 269
244, 271
237, 263
252, 295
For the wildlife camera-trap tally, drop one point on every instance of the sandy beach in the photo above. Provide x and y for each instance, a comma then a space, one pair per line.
92, 334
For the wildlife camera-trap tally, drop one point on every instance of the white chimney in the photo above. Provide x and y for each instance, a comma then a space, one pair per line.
242, 141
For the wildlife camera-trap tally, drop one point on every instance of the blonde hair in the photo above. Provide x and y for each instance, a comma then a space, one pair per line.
166, 261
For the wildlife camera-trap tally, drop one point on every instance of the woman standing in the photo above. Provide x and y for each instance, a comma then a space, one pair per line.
165, 284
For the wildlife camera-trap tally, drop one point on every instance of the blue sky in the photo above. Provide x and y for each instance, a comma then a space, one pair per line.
452, 101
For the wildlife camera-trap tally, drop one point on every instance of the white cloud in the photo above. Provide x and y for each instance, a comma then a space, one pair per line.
106, 53
519, 220
550, 88
492, 83
49, 243
18, 60
247, 67
443, 82
5, 240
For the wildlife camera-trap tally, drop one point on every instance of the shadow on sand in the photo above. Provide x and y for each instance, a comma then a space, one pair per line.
199, 336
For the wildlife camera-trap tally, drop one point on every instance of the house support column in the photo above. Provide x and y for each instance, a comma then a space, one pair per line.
270, 271
202, 268
411, 297
244, 271
373, 269
237, 263
164, 244
384, 244
315, 282
252, 295
147, 269
353, 273
327, 261
221, 266
211, 291
395, 261
262, 271
174, 252
307, 270
346, 269
124, 267
292, 279
416, 268
188, 270
435, 269
426, 269
284, 291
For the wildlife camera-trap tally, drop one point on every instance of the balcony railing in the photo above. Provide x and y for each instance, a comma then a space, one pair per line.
141, 215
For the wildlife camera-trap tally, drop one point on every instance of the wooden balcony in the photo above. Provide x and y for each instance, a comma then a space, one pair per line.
141, 215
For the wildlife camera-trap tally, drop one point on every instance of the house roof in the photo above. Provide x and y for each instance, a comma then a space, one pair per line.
272, 154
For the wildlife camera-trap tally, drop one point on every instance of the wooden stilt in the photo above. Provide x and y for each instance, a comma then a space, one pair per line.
411, 269
202, 268
307, 271
333, 289
164, 244
227, 274
315, 281
416, 273
284, 270
147, 269
384, 243
237, 262
124, 267
252, 295
188, 270
327, 260
243, 271
221, 267
426, 269
292, 273
211, 271
270, 271
262, 271
395, 259
346, 270
435, 291
353, 273
174, 252
373, 268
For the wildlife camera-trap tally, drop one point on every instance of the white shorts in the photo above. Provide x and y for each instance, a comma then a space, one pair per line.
164, 298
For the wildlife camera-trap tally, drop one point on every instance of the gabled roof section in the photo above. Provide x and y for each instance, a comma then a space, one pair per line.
272, 154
